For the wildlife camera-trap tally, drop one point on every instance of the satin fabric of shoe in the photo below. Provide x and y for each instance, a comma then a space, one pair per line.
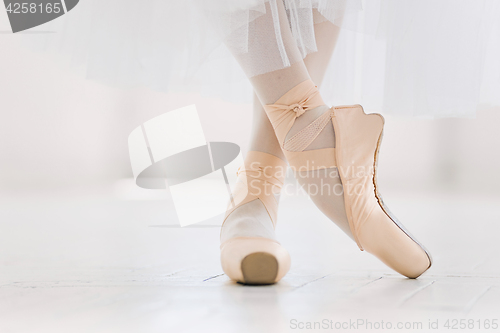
358, 138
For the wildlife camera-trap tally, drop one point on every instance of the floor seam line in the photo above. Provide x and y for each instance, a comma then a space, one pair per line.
364, 285
474, 300
416, 292
312, 281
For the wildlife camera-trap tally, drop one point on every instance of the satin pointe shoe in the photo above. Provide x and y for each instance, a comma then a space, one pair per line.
250, 253
357, 143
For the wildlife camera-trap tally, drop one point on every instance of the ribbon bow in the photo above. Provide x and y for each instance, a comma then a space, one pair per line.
297, 108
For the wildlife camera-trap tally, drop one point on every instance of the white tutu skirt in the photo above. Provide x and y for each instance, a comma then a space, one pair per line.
422, 58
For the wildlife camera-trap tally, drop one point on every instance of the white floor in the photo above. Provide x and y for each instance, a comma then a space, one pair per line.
97, 263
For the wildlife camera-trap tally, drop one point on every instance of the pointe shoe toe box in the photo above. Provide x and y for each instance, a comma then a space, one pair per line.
383, 238
254, 260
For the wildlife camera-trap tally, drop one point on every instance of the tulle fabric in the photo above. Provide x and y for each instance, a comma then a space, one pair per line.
415, 58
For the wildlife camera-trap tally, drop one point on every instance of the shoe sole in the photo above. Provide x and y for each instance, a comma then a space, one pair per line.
259, 268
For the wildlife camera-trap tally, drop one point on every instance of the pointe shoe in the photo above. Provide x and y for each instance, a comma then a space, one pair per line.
255, 260
357, 143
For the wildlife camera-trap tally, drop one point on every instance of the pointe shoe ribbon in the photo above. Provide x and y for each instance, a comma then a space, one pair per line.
260, 177
282, 114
